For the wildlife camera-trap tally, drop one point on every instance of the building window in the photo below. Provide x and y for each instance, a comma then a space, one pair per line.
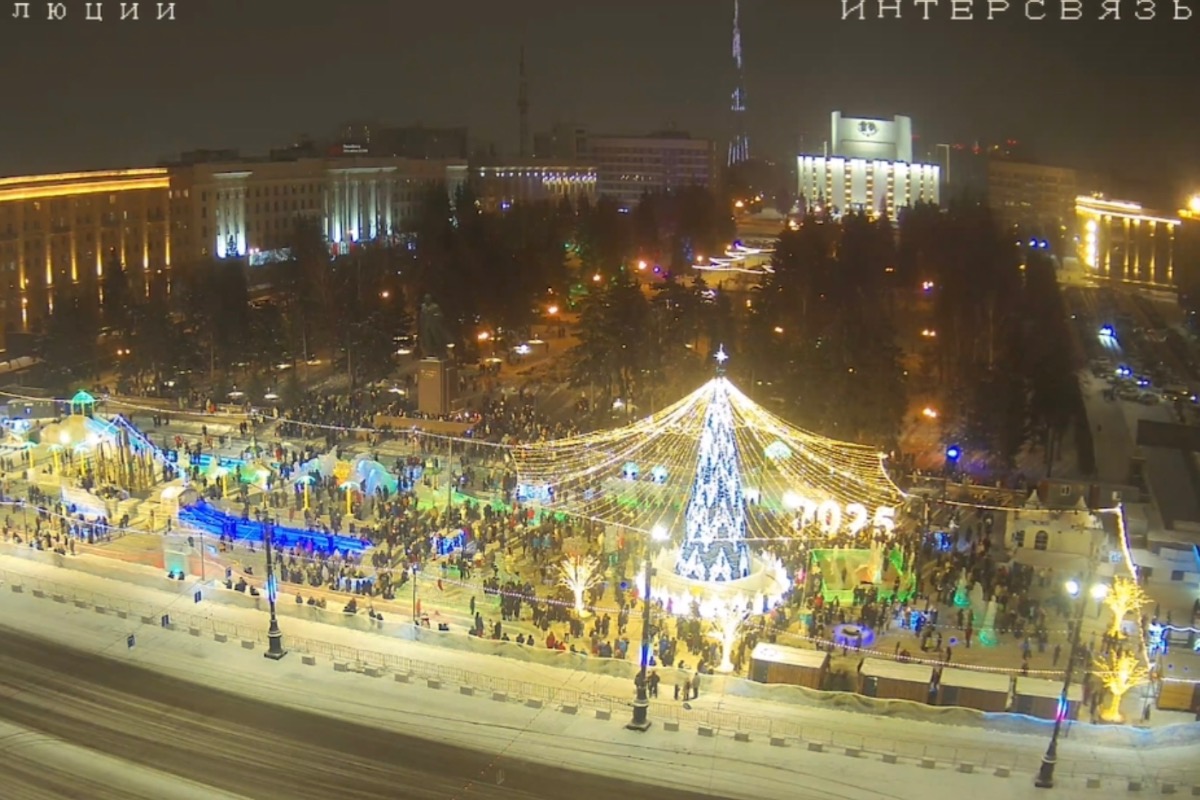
1019, 538
1041, 541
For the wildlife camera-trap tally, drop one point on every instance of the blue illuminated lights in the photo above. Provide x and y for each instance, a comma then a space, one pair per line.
714, 546
212, 520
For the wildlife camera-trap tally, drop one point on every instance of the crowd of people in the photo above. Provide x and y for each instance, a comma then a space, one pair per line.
503, 557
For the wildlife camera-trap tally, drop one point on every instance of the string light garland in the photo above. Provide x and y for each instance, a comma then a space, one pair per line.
641, 475
235, 418
598, 609
634, 477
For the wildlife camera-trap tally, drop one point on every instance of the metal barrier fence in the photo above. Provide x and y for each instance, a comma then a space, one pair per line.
1080, 766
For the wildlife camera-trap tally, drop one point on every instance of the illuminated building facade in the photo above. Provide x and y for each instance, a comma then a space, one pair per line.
628, 167
65, 230
250, 208
499, 186
1122, 241
62, 231
868, 166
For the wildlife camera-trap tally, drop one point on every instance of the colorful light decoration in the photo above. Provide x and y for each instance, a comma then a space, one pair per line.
777, 451
1120, 673
579, 572
726, 626
1124, 598
588, 476
714, 545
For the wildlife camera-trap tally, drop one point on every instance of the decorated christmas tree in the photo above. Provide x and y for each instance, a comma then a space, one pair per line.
714, 545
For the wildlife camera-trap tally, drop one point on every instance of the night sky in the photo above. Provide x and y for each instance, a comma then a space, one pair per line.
252, 74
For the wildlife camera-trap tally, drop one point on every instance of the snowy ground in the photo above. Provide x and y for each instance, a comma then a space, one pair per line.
684, 758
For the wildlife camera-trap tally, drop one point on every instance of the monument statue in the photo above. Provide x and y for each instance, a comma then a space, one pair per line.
432, 336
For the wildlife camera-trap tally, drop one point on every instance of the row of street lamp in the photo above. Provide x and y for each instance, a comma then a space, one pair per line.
641, 703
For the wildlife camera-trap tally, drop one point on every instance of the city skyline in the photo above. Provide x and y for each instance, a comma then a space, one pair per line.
252, 78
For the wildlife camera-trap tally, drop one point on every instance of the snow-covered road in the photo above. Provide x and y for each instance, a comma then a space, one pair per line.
684, 759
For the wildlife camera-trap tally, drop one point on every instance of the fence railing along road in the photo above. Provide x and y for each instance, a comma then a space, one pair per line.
990, 759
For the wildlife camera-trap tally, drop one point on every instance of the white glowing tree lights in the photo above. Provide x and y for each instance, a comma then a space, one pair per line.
714, 545
841, 484
579, 572
726, 625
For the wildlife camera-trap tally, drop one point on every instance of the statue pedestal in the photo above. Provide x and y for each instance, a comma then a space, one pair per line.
437, 381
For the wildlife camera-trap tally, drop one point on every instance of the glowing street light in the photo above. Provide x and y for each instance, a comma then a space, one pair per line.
642, 265
597, 278
552, 310
483, 336
1045, 776
1194, 204
641, 703
929, 333
275, 649
929, 413
778, 329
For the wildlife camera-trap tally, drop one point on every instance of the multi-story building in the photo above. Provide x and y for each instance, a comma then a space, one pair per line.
232, 209
1032, 196
1122, 241
61, 232
867, 166
627, 167
497, 186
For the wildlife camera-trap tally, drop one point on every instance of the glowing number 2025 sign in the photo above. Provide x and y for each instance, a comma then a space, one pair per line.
832, 516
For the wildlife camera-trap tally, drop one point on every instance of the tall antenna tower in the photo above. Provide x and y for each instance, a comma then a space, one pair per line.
739, 145
523, 107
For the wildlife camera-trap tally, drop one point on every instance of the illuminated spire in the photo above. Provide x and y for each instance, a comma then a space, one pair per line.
739, 145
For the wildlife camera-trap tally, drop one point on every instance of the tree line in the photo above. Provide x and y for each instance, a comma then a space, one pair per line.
819, 338
221, 320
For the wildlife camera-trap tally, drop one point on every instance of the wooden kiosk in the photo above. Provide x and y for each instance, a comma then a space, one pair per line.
892, 680
1176, 695
970, 688
772, 663
1038, 697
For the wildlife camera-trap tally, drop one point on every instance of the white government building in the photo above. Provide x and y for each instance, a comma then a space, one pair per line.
867, 166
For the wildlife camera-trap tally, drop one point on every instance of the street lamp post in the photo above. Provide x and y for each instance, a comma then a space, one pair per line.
413, 576
275, 649
1045, 776
449, 473
641, 704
